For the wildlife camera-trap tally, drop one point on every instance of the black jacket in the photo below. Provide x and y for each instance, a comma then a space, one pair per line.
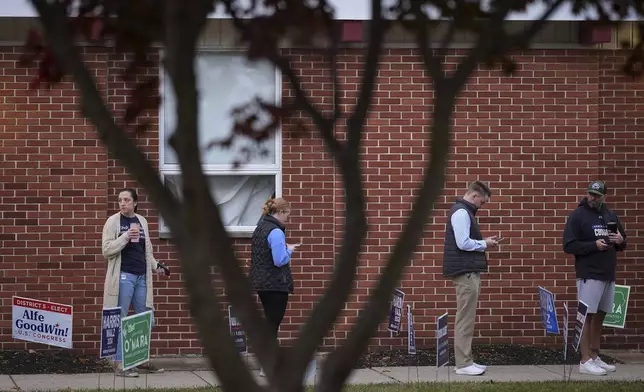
264, 275
586, 225
456, 261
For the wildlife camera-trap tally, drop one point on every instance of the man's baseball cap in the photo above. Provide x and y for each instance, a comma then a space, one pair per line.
597, 188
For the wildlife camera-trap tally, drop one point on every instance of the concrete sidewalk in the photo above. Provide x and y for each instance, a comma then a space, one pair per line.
206, 378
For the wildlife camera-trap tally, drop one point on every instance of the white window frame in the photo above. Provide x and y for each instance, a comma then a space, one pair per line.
222, 169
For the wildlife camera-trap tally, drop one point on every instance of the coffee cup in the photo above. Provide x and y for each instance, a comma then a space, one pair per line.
136, 226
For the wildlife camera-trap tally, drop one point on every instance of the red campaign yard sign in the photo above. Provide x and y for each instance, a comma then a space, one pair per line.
42, 322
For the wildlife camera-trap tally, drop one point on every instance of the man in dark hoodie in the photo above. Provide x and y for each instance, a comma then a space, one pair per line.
463, 261
594, 234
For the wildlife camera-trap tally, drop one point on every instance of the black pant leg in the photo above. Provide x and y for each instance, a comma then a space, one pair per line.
274, 304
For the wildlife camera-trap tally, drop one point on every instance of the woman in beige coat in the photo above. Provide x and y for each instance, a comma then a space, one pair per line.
127, 247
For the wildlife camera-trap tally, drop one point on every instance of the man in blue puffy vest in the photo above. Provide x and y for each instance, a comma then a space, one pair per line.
463, 261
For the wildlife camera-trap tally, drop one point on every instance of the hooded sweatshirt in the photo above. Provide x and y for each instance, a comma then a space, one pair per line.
584, 227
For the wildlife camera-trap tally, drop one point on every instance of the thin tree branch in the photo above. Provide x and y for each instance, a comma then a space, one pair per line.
61, 41
136, 19
327, 309
447, 40
432, 62
339, 364
494, 41
522, 40
488, 42
370, 69
184, 22
302, 102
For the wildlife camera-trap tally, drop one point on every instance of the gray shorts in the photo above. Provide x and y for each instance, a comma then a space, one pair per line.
597, 294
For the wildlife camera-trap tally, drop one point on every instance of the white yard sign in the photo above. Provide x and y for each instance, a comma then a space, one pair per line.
42, 322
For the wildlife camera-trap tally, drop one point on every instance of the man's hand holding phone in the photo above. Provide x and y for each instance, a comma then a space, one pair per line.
602, 245
491, 242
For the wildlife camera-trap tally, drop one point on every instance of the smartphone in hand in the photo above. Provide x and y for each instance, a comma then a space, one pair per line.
164, 268
612, 227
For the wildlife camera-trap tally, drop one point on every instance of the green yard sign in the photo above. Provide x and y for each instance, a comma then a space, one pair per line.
135, 337
617, 318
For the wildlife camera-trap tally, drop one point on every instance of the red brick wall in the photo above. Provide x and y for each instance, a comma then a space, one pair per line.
621, 159
53, 186
564, 119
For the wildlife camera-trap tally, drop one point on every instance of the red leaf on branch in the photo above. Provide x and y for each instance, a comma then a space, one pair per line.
143, 97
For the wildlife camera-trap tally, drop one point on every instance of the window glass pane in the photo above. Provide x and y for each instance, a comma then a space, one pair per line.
240, 198
225, 81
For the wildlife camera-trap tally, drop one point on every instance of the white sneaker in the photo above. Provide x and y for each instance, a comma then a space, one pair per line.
589, 367
483, 367
598, 362
470, 371
261, 373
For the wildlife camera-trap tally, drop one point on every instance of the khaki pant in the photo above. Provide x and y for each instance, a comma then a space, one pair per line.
468, 287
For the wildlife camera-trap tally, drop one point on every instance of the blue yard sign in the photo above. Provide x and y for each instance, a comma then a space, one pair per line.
110, 331
396, 311
411, 335
442, 341
548, 311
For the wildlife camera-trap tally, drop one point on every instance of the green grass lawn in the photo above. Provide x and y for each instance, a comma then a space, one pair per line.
503, 387
599, 386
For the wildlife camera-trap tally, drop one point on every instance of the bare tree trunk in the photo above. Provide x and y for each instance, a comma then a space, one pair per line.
328, 308
347, 158
185, 21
